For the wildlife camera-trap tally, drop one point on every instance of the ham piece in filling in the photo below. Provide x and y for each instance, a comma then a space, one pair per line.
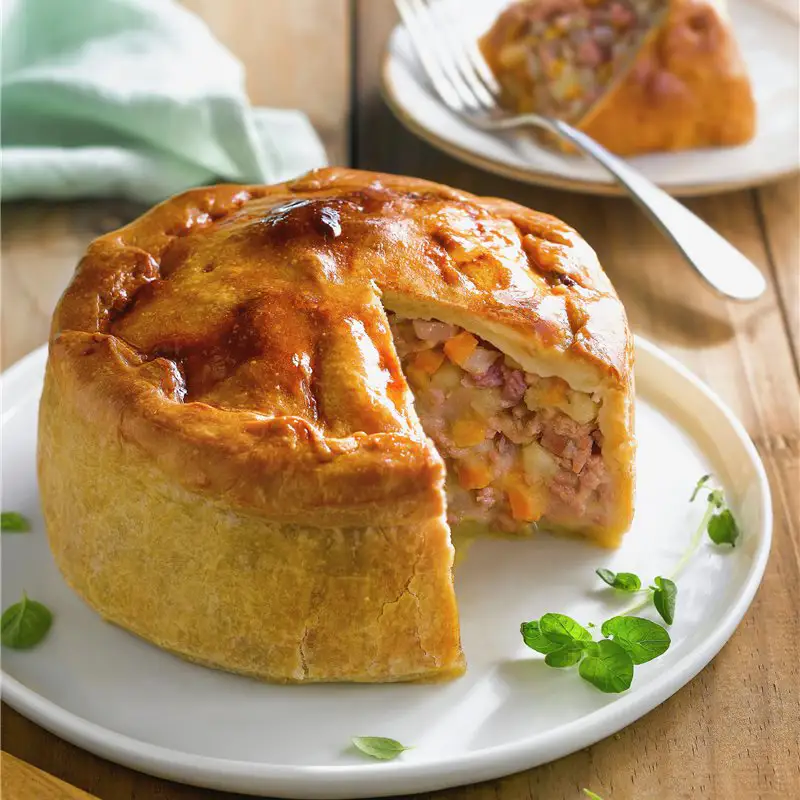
518, 447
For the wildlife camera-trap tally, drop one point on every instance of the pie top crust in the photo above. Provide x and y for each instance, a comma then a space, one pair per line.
238, 335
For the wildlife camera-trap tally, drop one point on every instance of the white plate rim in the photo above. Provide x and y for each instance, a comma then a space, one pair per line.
530, 175
383, 779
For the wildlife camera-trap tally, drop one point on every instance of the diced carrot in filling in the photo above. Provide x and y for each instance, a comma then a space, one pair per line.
460, 347
519, 448
474, 474
429, 360
468, 432
523, 501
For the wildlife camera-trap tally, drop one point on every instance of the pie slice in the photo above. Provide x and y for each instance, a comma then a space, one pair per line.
638, 76
265, 406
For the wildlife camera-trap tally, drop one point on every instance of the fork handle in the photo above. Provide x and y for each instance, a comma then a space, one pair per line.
719, 262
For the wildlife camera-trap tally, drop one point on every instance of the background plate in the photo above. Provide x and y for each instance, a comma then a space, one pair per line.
121, 698
768, 36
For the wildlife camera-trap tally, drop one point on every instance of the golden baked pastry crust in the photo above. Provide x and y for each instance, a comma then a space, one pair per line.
229, 458
687, 87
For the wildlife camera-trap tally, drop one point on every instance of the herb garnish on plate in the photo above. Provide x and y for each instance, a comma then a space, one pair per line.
13, 522
24, 624
608, 663
379, 747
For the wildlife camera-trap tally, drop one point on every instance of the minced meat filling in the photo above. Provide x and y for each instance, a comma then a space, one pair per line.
518, 447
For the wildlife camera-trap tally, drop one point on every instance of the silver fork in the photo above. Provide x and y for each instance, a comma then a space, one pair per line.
467, 86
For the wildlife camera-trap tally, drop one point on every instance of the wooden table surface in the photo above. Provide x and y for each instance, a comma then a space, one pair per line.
734, 731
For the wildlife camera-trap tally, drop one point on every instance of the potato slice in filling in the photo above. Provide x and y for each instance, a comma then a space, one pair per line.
519, 448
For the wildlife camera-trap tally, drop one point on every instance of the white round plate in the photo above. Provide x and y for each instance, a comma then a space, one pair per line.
768, 38
116, 695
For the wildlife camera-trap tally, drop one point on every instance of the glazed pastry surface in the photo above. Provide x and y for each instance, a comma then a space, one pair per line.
226, 417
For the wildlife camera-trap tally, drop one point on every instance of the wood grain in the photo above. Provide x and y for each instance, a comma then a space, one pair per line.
779, 207
297, 54
21, 781
733, 731
41, 246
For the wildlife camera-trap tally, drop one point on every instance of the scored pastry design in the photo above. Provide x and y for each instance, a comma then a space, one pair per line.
265, 406
638, 76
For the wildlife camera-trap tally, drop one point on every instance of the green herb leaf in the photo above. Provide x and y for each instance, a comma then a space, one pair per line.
566, 656
379, 747
716, 498
25, 624
536, 640
665, 595
624, 581
561, 629
606, 575
610, 670
722, 528
642, 639
628, 582
12, 522
591, 648
591, 795
698, 486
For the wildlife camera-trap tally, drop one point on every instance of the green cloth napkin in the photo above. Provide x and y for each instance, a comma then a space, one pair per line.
133, 98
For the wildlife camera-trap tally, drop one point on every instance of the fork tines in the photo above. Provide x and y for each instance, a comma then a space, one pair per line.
452, 61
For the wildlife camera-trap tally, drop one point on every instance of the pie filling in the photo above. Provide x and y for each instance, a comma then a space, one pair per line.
519, 448
560, 56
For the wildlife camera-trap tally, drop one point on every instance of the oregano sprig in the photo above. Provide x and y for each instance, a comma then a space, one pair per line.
644, 640
718, 520
607, 664
720, 525
664, 593
698, 486
665, 596
624, 581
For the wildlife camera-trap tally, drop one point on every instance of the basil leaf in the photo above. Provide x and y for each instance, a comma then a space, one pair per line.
665, 595
25, 624
535, 639
642, 639
610, 670
722, 528
716, 498
698, 486
562, 629
566, 656
12, 522
379, 747
591, 795
625, 581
